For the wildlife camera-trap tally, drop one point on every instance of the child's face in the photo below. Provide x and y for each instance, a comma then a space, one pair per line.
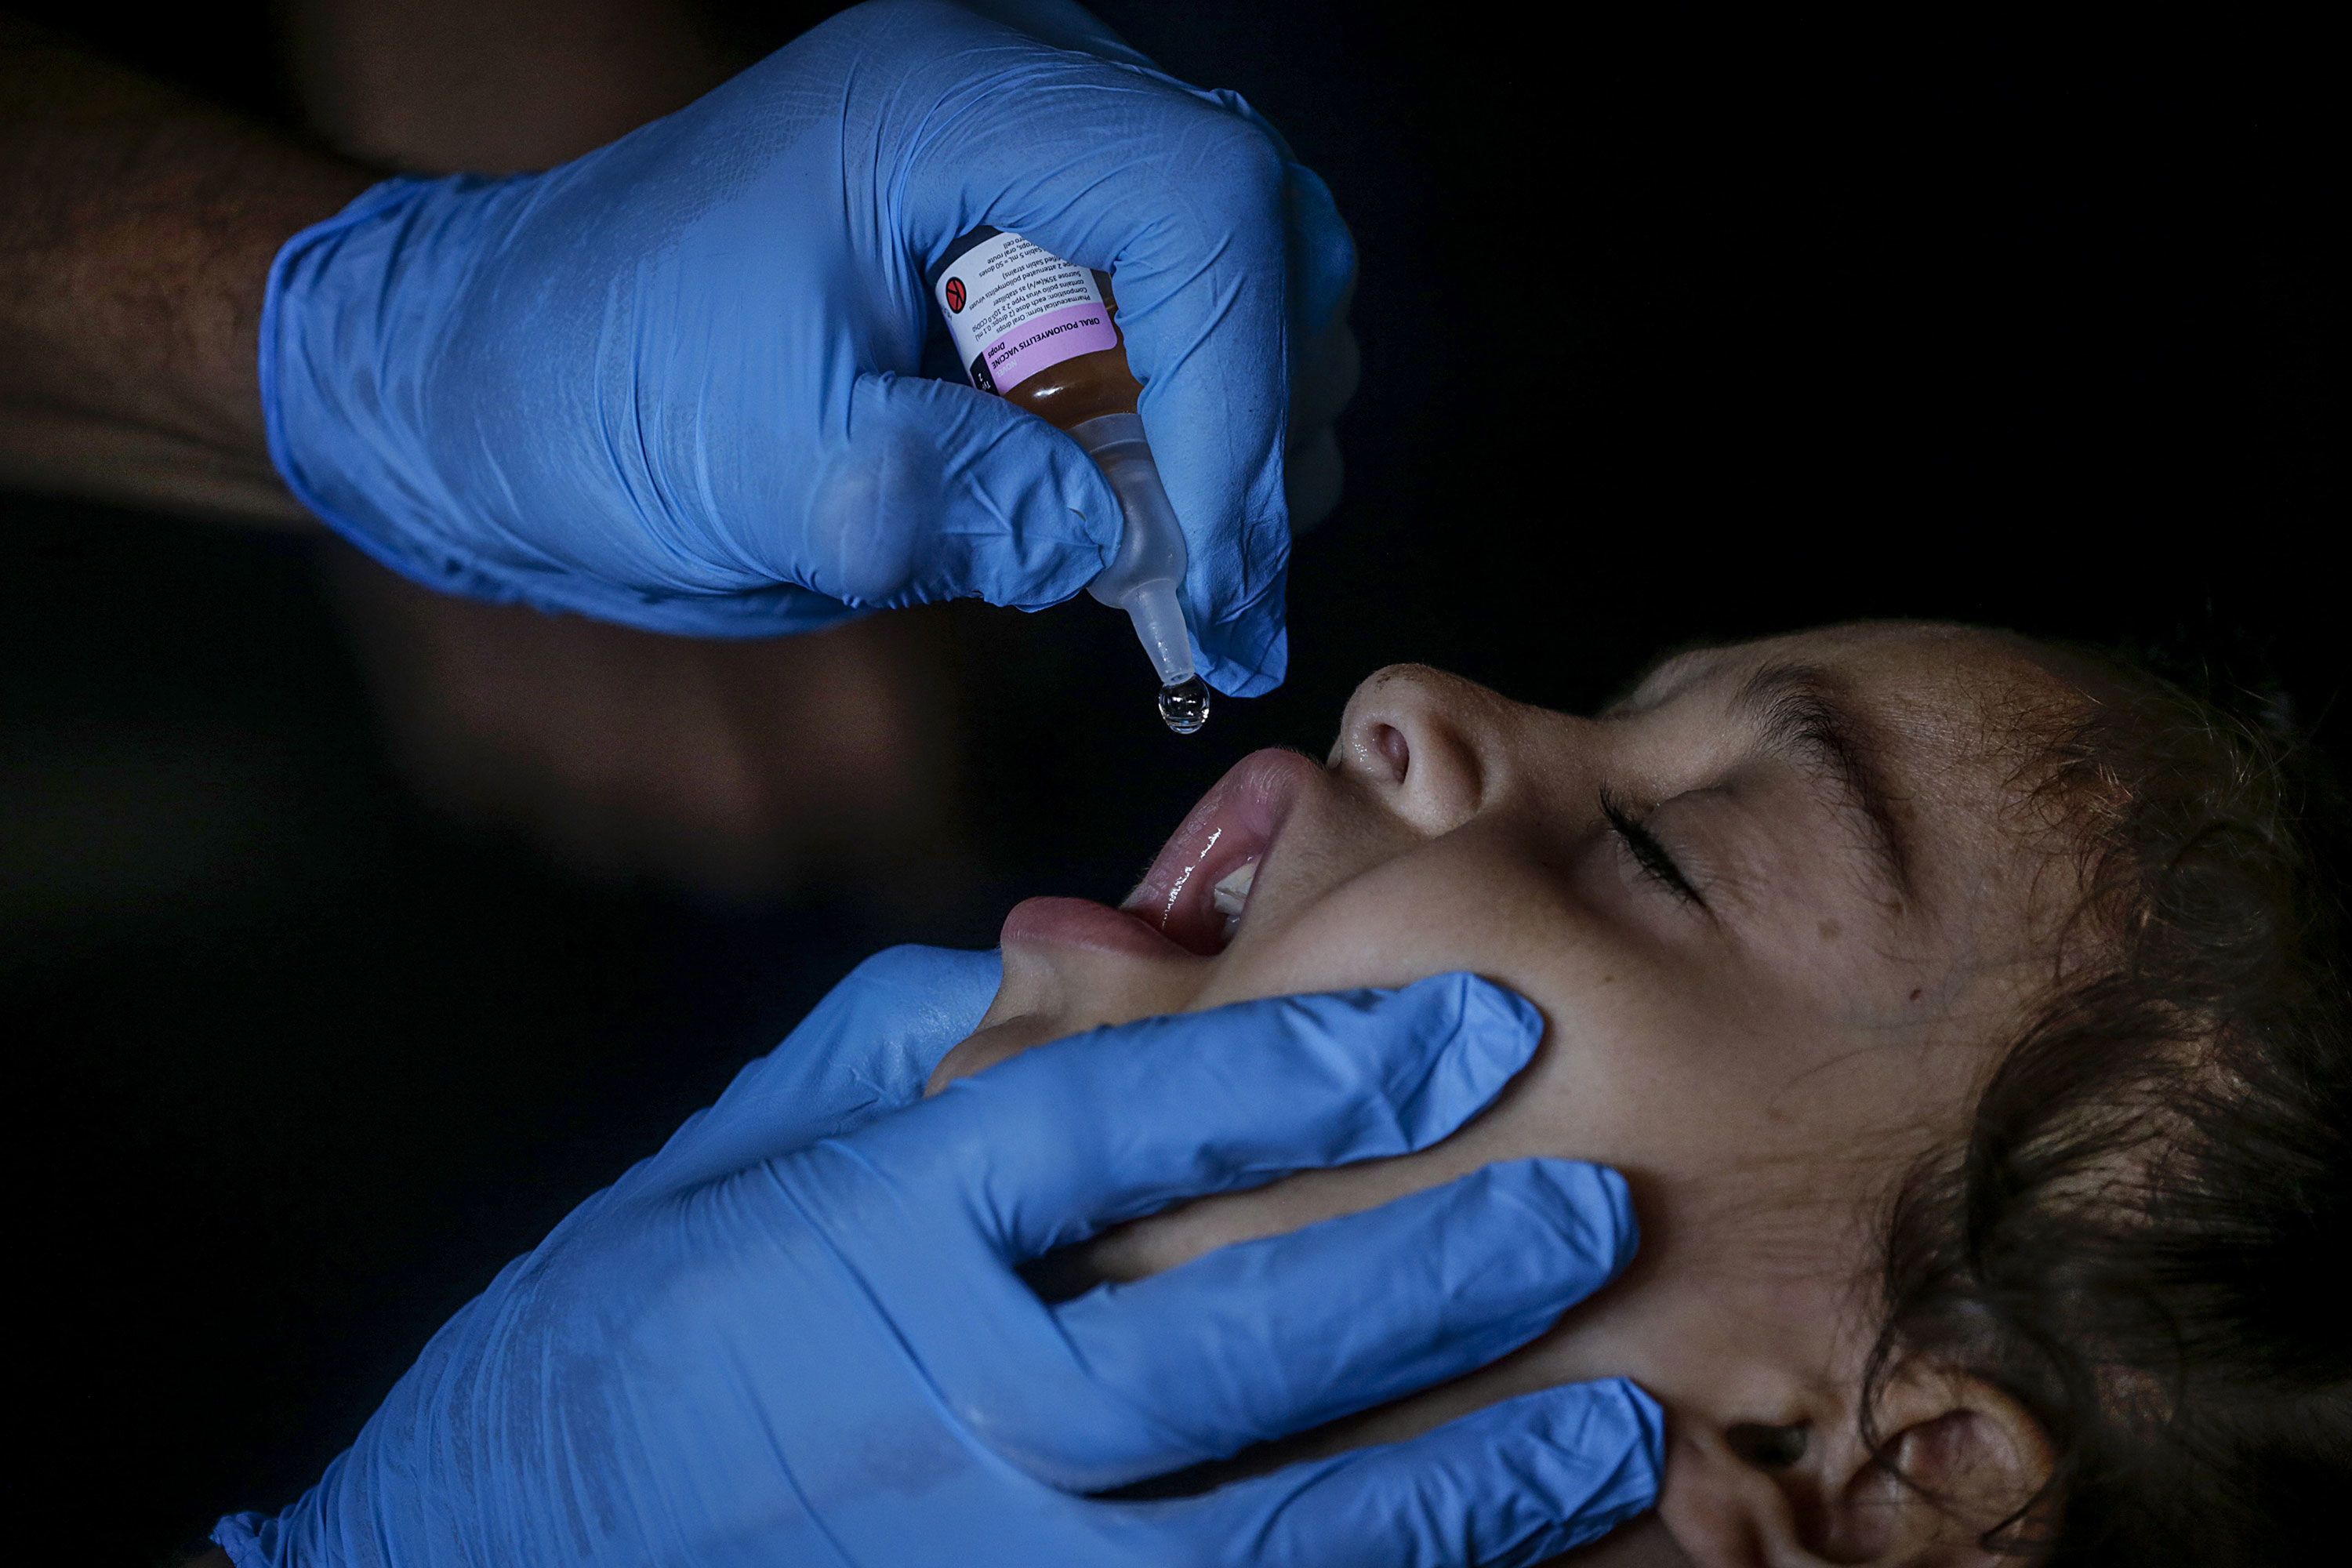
1762, 1014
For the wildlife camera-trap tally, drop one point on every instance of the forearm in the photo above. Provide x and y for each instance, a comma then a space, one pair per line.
140, 225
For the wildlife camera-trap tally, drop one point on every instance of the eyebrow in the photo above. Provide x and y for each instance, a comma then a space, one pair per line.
1802, 712
1691, 654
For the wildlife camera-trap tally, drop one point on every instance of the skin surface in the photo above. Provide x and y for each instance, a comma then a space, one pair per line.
141, 225
142, 222
1763, 1066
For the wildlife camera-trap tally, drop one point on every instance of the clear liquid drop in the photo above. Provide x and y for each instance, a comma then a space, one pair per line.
1184, 707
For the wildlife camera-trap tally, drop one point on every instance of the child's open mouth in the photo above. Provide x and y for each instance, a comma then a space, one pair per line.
1197, 895
1197, 891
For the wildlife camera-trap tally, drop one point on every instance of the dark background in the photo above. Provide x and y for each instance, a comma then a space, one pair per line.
1664, 337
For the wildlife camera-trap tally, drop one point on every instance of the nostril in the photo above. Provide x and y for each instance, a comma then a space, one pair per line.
1424, 742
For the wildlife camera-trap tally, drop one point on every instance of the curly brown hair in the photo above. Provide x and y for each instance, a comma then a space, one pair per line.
2139, 1236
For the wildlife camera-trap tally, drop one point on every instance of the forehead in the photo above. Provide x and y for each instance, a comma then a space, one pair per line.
1955, 720
1955, 680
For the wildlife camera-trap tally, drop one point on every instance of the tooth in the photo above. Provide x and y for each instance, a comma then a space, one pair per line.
1233, 889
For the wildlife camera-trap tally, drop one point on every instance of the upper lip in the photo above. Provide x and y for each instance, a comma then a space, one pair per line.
1234, 823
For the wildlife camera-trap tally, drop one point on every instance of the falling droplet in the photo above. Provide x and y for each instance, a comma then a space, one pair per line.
1184, 706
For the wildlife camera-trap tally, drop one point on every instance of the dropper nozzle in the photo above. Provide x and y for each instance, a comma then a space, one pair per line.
1143, 577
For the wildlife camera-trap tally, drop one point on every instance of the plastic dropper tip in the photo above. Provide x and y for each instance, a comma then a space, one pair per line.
1185, 705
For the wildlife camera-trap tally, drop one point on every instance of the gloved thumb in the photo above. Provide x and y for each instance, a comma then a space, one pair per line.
944, 492
865, 1051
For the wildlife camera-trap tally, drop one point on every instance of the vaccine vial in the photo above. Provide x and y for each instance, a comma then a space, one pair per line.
1036, 330
1041, 333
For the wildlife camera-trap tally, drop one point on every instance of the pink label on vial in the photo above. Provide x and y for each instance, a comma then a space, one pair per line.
1046, 340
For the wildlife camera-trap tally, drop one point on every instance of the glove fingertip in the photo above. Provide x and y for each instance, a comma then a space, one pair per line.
1005, 450
1593, 1234
951, 975
1493, 1004
246, 1537
1226, 666
1510, 1486
1621, 1407
1618, 1197
1324, 261
910, 1004
1496, 1030
946, 492
1091, 522
1593, 1455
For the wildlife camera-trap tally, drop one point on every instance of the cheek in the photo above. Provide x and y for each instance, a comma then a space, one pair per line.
1639, 1035
1446, 906
1680, 1076
1622, 1077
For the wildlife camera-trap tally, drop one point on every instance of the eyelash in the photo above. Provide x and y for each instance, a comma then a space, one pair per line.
1648, 854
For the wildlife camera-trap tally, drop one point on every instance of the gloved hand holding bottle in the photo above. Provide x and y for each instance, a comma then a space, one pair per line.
675, 382
797, 1334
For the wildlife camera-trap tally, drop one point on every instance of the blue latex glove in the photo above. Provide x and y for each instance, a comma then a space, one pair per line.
749, 1352
673, 383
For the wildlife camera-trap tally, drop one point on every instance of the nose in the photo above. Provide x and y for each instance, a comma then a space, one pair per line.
1424, 740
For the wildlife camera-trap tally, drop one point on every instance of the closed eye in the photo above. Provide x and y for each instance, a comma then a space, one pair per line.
1650, 855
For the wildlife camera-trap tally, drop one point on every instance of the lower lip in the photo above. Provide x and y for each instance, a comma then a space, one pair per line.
1087, 926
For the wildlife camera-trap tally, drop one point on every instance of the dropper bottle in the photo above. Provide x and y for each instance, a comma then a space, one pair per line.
1039, 332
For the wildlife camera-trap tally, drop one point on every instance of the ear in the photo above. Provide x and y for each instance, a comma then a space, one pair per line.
1965, 1458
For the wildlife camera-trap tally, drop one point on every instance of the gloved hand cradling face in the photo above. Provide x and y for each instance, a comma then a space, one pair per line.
799, 1332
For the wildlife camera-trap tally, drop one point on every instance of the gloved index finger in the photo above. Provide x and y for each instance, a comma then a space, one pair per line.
1083, 1134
